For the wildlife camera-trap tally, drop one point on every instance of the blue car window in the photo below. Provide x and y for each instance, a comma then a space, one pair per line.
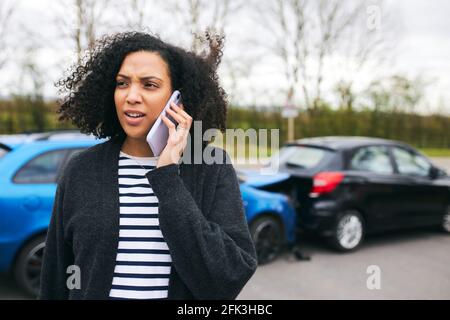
41, 169
373, 159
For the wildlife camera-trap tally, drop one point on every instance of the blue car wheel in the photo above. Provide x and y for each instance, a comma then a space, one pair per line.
267, 235
27, 269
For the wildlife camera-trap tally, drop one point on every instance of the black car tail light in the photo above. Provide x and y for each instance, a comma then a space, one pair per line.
325, 182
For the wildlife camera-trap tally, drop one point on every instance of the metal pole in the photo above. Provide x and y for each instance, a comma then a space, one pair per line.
290, 128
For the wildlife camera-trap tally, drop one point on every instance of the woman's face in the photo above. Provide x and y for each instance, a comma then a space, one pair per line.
142, 89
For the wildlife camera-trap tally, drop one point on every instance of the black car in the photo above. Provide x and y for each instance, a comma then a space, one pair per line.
346, 187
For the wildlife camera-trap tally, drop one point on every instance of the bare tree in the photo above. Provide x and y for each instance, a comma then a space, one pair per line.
135, 13
199, 15
79, 21
397, 93
346, 95
31, 74
284, 22
27, 94
305, 34
217, 16
7, 9
333, 20
365, 47
237, 69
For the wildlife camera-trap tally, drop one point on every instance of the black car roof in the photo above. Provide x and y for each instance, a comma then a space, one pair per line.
344, 142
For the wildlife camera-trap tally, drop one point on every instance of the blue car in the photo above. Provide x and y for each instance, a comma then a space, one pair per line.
29, 168
271, 215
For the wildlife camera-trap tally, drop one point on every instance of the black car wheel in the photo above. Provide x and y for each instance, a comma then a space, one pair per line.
267, 235
27, 269
348, 231
446, 221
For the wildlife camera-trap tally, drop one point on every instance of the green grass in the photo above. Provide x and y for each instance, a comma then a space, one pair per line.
435, 152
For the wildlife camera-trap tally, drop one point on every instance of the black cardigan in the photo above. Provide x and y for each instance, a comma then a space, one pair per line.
200, 214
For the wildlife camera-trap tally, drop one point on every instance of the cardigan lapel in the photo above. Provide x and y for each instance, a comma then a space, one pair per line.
109, 166
110, 214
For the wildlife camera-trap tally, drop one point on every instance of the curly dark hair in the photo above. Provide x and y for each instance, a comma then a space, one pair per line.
88, 90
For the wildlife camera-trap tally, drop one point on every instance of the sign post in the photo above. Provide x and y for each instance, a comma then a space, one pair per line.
290, 112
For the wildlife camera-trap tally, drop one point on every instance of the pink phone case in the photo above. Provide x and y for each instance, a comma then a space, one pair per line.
159, 133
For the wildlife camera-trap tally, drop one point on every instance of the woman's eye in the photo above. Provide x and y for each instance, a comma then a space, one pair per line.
120, 83
150, 85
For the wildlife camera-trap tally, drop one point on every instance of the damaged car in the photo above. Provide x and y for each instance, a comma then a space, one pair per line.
344, 188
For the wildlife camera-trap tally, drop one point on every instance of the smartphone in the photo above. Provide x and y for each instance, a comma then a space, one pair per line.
159, 133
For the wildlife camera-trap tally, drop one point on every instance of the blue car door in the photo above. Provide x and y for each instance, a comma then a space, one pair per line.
31, 192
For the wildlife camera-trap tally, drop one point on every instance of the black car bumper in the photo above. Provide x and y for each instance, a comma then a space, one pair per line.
319, 217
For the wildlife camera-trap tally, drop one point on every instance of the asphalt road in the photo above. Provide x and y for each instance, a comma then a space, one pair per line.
9, 290
413, 265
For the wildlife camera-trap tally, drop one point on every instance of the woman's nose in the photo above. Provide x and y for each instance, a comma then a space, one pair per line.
134, 96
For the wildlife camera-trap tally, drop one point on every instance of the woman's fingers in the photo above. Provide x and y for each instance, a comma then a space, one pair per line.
180, 110
169, 124
182, 118
177, 134
178, 118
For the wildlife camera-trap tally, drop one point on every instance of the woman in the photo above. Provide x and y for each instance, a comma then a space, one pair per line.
135, 225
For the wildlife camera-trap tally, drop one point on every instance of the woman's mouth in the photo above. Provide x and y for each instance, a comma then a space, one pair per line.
134, 118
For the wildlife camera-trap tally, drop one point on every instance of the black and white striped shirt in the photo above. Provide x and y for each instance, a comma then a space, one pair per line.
143, 260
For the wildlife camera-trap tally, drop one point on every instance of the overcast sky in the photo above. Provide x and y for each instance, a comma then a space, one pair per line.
425, 43
422, 48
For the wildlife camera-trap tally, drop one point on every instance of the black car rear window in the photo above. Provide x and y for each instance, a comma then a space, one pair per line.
302, 156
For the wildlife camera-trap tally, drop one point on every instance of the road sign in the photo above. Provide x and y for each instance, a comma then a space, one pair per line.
289, 113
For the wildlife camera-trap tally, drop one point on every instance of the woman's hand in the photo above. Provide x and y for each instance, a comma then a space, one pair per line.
177, 135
